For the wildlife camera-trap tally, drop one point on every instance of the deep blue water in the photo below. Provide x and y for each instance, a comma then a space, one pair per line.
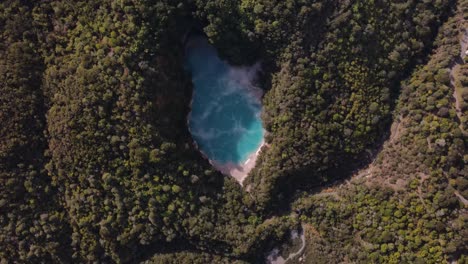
225, 119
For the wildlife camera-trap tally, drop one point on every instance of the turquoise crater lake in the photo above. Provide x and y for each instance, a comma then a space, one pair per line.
225, 116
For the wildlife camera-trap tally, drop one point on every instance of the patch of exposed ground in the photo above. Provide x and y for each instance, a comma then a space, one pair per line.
363, 243
380, 165
421, 181
461, 198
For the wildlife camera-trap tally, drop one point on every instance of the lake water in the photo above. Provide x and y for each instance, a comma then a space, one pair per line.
225, 118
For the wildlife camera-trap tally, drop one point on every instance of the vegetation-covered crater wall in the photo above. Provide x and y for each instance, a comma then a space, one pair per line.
97, 164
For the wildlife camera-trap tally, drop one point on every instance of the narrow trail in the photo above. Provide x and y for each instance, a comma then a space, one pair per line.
332, 193
273, 258
464, 41
421, 181
461, 198
457, 85
454, 73
295, 254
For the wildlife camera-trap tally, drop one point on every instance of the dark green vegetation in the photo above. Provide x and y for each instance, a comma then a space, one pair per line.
97, 165
110, 147
332, 94
404, 207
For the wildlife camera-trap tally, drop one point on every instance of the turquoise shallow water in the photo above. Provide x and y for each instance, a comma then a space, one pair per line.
225, 119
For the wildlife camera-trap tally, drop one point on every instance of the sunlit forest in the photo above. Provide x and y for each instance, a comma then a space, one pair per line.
365, 111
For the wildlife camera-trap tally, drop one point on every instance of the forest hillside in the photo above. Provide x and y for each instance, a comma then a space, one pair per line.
364, 107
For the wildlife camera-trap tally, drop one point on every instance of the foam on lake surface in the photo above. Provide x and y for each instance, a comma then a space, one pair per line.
225, 118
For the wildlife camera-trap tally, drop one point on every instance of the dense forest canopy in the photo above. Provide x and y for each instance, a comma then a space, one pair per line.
365, 111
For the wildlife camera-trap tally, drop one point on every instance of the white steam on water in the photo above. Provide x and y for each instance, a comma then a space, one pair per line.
225, 118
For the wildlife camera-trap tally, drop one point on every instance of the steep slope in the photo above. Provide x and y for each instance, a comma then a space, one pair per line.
405, 207
32, 221
97, 164
332, 70
332, 105
116, 98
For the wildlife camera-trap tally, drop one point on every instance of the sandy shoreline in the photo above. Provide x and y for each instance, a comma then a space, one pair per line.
245, 75
239, 171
